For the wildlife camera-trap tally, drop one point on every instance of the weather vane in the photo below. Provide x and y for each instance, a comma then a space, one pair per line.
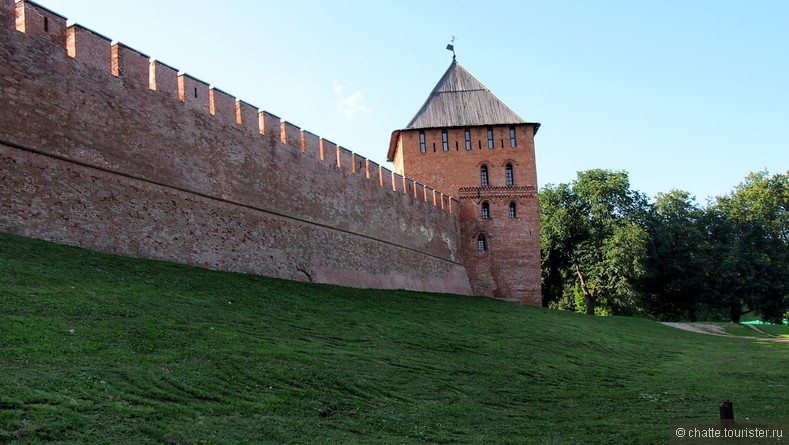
451, 46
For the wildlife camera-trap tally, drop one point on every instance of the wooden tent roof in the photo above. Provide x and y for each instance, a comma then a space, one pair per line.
459, 100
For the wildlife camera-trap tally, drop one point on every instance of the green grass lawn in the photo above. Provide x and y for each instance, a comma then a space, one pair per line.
101, 349
780, 331
742, 329
747, 330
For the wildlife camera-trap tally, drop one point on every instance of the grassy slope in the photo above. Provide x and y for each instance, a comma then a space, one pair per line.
780, 331
762, 330
163, 353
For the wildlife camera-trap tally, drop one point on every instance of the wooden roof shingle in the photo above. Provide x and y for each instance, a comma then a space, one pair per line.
459, 100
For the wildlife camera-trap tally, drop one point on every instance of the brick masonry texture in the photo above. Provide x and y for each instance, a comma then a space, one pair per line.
510, 267
104, 149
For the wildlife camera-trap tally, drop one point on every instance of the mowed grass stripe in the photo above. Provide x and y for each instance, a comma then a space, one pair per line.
164, 353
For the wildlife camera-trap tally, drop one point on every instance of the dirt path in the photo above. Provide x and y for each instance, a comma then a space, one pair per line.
711, 329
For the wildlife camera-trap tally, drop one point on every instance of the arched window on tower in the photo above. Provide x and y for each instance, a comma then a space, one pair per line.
482, 244
508, 170
513, 210
483, 172
486, 210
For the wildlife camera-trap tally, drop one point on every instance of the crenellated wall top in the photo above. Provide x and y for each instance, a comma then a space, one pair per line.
135, 69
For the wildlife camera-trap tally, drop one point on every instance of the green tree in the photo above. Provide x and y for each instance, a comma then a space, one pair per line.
750, 230
674, 284
762, 200
555, 221
592, 239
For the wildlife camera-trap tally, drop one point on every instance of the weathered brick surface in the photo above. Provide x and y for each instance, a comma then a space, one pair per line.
510, 268
222, 105
163, 78
271, 127
374, 172
131, 65
88, 48
344, 158
386, 178
105, 162
193, 93
247, 116
291, 135
328, 151
75, 204
8, 15
359, 164
38, 22
310, 143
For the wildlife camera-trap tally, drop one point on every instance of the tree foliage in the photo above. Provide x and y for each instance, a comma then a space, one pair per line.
605, 249
750, 231
676, 265
760, 200
592, 241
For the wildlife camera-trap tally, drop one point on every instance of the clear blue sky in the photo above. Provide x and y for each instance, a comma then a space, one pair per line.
682, 94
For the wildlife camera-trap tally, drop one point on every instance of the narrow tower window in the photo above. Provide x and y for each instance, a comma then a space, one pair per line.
46, 24
482, 245
508, 170
490, 137
483, 172
422, 147
513, 142
513, 210
444, 140
485, 210
468, 139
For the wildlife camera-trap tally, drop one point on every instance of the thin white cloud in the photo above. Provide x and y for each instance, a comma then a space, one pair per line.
350, 103
303, 98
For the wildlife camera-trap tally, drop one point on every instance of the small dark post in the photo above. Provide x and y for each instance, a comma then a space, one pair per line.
727, 411
727, 415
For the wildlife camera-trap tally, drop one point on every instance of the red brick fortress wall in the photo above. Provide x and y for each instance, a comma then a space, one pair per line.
103, 148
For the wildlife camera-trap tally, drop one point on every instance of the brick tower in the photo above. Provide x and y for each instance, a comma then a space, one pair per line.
465, 142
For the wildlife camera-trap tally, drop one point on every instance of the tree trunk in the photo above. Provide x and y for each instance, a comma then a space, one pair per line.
590, 301
590, 296
736, 313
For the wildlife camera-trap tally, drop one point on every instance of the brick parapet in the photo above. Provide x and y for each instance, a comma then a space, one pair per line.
222, 105
163, 79
37, 21
132, 66
247, 116
95, 50
88, 47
